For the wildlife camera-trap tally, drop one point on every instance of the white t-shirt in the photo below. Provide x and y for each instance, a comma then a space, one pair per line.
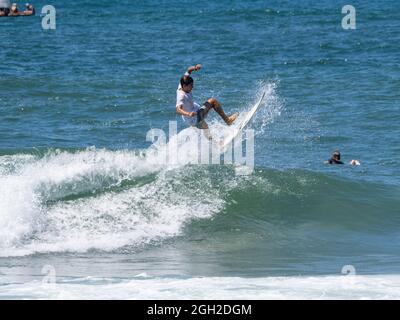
186, 100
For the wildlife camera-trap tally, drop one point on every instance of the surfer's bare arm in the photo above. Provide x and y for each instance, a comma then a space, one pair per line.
179, 110
193, 68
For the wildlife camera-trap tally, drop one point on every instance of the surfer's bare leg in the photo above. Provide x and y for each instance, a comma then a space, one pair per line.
213, 103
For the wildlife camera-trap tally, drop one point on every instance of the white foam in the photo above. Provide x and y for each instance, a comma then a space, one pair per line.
23, 189
106, 221
322, 287
27, 183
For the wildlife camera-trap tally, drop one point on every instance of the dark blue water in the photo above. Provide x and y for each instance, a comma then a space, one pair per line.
76, 104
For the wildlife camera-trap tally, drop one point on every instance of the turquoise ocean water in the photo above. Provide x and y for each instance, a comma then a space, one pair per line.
75, 195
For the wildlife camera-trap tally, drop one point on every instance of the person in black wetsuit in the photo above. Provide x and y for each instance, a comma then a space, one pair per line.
335, 158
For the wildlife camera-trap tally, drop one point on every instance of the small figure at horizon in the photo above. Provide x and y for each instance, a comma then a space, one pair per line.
14, 12
4, 12
335, 159
29, 10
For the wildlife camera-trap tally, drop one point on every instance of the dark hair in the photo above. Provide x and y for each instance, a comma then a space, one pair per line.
337, 154
186, 80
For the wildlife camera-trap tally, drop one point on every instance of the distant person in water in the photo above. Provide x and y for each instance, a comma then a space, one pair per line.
191, 112
29, 10
335, 159
14, 10
4, 12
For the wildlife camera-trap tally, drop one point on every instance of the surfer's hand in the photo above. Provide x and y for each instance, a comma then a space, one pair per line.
194, 68
192, 114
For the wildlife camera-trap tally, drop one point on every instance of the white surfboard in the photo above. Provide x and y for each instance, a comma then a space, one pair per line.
237, 128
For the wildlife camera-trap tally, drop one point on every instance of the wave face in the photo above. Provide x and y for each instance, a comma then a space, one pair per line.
111, 200
93, 199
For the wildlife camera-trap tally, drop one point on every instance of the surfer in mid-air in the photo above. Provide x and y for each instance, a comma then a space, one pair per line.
192, 113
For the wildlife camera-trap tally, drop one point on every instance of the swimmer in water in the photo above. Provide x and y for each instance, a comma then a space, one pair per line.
29, 11
14, 11
335, 159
